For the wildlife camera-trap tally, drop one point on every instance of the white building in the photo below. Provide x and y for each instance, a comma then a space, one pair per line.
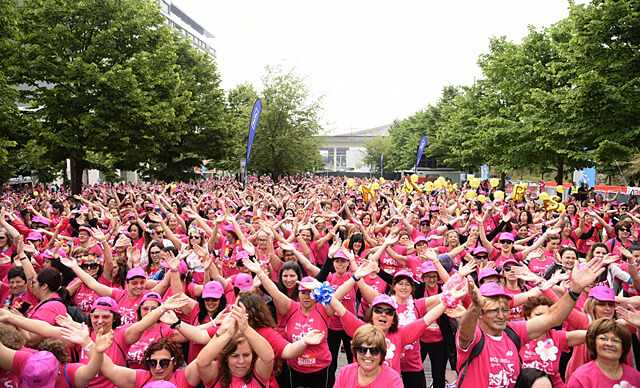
345, 152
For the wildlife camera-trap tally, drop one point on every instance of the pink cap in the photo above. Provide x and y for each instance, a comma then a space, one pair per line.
153, 296
510, 261
40, 371
213, 289
88, 230
33, 236
242, 255
418, 240
403, 273
603, 294
384, 298
506, 236
183, 268
486, 273
340, 255
493, 289
136, 272
105, 300
306, 279
40, 220
428, 266
425, 218
434, 208
480, 249
160, 384
228, 228
243, 281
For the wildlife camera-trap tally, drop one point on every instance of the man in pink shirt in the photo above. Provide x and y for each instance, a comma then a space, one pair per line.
487, 321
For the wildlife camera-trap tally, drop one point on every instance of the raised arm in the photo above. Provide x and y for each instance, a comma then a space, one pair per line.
87, 279
281, 301
469, 320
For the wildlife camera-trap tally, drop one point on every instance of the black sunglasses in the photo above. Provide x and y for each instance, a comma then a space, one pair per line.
625, 230
507, 268
89, 266
381, 310
164, 363
482, 257
424, 224
362, 350
194, 236
466, 212
506, 242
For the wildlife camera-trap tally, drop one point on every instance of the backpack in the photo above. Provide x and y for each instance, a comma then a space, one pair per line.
76, 314
477, 349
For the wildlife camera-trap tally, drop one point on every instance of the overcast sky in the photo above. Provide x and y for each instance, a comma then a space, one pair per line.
373, 61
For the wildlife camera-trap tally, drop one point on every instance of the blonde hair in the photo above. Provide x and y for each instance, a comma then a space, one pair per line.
493, 302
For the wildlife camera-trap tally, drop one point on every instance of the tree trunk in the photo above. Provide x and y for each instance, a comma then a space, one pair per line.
560, 167
503, 181
77, 168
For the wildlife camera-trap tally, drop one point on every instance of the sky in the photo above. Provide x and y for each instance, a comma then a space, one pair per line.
372, 62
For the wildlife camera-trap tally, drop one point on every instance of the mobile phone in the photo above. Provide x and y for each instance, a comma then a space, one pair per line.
24, 306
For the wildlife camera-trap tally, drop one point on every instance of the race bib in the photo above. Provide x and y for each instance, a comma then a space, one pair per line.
307, 360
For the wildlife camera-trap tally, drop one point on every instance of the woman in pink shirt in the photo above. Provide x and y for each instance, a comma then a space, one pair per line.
369, 346
609, 345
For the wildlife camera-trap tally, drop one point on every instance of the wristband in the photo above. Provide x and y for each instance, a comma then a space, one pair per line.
573, 295
23, 258
162, 309
303, 342
86, 348
262, 274
355, 279
176, 324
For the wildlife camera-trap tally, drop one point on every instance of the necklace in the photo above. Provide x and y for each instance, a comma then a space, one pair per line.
409, 315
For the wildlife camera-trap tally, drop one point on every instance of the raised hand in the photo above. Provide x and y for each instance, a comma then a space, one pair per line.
467, 269
176, 301
169, 318
98, 235
103, 341
313, 337
248, 247
523, 273
335, 247
76, 335
253, 265
200, 250
631, 315
587, 274
239, 314
69, 263
474, 292
365, 269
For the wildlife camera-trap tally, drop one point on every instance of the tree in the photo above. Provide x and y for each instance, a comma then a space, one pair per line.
287, 138
109, 78
374, 149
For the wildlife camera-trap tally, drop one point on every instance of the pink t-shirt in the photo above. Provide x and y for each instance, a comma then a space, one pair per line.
135, 356
238, 382
127, 305
143, 377
48, 311
377, 284
388, 264
515, 313
348, 378
499, 258
589, 375
498, 364
539, 267
410, 359
85, 296
349, 300
396, 341
21, 358
315, 357
432, 333
545, 355
115, 354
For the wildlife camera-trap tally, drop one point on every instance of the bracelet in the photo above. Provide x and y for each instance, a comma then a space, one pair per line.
176, 324
262, 274
86, 348
355, 279
573, 295
23, 258
162, 309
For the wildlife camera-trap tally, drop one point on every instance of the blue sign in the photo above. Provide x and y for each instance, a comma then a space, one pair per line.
255, 117
381, 159
484, 172
423, 145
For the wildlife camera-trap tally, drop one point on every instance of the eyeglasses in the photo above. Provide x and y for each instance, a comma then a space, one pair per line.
592, 201
482, 257
164, 363
155, 253
362, 350
497, 311
506, 242
381, 310
431, 277
604, 338
3, 238
89, 266
625, 229
137, 282
104, 317
424, 224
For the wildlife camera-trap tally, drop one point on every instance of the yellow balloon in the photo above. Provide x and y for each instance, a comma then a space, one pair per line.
428, 186
471, 194
475, 182
494, 182
382, 180
351, 182
482, 198
544, 195
560, 189
498, 194
441, 179
360, 189
455, 186
437, 184
174, 186
470, 177
35, 193
561, 207
375, 185
414, 178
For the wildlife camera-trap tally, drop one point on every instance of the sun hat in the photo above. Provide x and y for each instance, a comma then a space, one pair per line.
384, 298
603, 294
40, 371
40, 220
100, 302
340, 255
160, 384
213, 289
493, 289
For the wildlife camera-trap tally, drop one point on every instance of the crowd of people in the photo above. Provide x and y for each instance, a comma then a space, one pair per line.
211, 284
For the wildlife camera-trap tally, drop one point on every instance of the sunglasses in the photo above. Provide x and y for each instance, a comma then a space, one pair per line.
482, 257
89, 266
104, 317
625, 230
239, 263
362, 350
194, 236
424, 224
507, 268
164, 363
506, 242
381, 310
465, 212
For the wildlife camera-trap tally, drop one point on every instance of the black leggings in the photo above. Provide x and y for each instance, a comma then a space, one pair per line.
319, 379
334, 339
437, 352
414, 379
